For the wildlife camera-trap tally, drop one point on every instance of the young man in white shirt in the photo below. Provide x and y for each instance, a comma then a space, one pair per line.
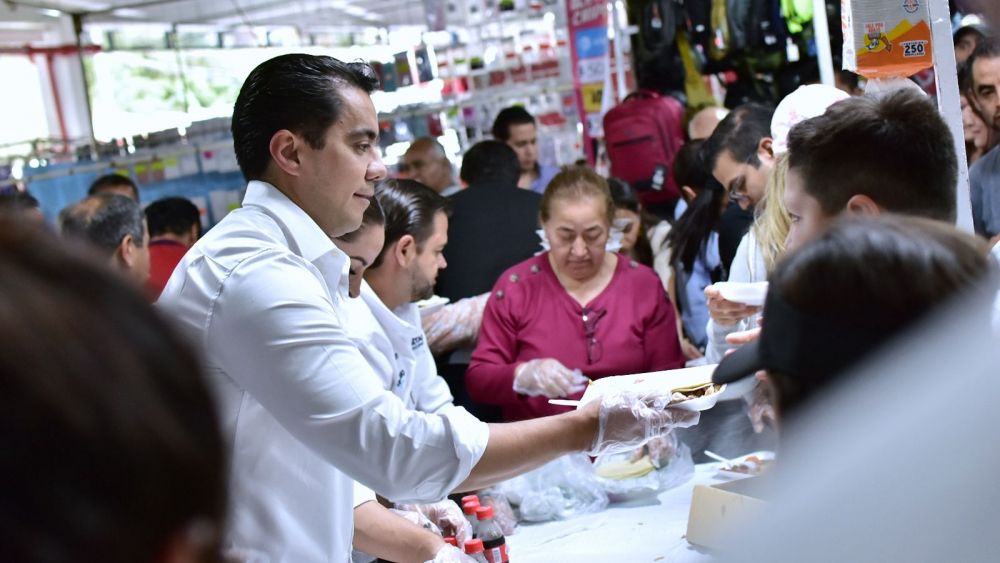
262, 295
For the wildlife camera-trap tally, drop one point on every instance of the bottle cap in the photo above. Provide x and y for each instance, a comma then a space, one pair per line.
470, 498
470, 507
484, 512
451, 540
474, 546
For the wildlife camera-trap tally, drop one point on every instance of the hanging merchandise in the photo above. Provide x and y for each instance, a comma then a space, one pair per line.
719, 47
695, 89
642, 136
659, 23
886, 39
797, 14
588, 34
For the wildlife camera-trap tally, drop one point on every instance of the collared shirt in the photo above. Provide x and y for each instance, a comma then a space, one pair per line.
262, 295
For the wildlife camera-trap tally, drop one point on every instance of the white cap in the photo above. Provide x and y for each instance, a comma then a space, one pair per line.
805, 102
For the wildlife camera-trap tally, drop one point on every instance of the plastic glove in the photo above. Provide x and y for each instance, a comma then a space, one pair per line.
627, 420
417, 518
455, 325
451, 554
446, 515
548, 378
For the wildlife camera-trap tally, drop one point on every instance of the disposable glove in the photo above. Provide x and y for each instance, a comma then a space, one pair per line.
547, 378
455, 325
627, 420
446, 515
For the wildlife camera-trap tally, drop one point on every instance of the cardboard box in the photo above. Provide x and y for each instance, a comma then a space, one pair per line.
718, 511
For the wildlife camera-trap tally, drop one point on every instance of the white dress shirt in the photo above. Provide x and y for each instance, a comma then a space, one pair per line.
261, 294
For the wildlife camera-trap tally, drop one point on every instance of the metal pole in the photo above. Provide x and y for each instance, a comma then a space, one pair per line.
621, 36
78, 33
824, 54
948, 103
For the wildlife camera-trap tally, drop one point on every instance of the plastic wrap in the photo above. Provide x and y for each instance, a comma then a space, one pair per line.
558, 490
661, 464
628, 420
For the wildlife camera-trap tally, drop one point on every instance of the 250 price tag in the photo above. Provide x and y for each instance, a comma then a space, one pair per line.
914, 48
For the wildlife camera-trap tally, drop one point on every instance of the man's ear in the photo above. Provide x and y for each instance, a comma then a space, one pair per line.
285, 148
861, 204
405, 250
765, 150
125, 253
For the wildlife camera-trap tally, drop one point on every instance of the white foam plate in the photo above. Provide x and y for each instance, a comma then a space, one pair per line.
431, 304
752, 294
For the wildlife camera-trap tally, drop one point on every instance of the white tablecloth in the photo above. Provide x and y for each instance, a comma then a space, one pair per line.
650, 529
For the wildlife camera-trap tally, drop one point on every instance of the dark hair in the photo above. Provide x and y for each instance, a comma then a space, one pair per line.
513, 115
17, 201
689, 168
109, 181
573, 184
297, 92
409, 209
491, 162
624, 197
690, 233
171, 215
739, 133
845, 278
112, 448
988, 48
981, 32
103, 220
843, 153
373, 217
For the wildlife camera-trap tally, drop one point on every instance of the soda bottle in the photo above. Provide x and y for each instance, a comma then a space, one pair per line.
494, 544
450, 540
474, 549
469, 509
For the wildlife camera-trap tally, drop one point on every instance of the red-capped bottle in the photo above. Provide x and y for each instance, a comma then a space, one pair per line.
450, 540
469, 509
471, 498
475, 550
494, 543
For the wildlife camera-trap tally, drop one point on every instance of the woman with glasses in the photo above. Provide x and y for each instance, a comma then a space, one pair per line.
572, 313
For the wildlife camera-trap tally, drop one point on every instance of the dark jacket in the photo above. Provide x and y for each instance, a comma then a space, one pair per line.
492, 227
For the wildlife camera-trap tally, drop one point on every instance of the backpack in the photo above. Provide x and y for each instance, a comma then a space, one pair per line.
642, 135
658, 23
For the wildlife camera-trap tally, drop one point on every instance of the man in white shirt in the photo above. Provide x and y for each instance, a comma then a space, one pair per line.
262, 295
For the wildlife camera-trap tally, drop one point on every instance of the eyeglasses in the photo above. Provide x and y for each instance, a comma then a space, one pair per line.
590, 319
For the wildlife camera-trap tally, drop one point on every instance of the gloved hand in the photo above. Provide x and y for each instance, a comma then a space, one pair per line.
417, 518
455, 325
627, 420
446, 515
548, 378
451, 554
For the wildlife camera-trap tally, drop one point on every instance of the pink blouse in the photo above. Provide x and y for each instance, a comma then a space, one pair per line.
628, 328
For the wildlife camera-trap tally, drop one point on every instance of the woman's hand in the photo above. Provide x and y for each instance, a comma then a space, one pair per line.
547, 378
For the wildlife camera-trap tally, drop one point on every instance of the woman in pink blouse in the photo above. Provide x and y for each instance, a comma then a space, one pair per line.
572, 313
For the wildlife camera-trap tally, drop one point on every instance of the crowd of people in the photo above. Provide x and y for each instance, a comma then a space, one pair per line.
297, 393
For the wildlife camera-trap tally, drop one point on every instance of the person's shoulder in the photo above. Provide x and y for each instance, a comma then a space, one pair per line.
522, 276
988, 165
636, 274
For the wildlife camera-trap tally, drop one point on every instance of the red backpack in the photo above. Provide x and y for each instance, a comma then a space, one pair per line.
641, 135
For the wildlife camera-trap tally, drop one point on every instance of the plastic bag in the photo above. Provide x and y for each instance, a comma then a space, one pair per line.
674, 467
558, 490
503, 512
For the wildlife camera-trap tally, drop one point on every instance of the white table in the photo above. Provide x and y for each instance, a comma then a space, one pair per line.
651, 529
